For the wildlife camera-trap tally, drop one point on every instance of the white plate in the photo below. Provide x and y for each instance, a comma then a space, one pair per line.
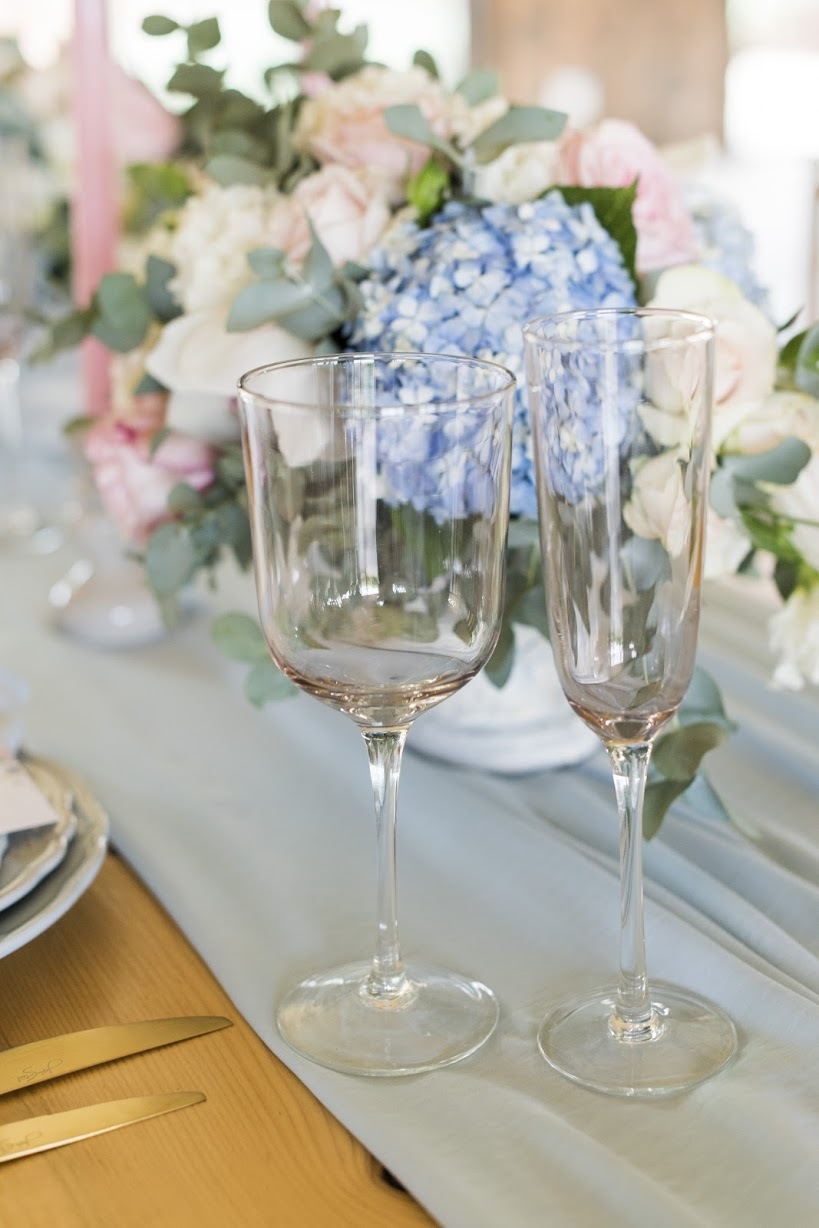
51, 898
28, 856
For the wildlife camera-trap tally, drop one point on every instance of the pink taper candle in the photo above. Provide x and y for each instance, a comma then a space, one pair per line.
94, 205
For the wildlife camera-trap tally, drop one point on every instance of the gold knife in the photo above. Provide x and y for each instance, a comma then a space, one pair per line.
23, 1138
27, 1065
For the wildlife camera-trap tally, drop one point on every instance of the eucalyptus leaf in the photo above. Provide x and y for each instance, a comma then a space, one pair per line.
703, 701
203, 36
519, 125
659, 796
239, 637
478, 85
318, 317
408, 121
265, 683
318, 267
422, 59
228, 169
146, 386
182, 497
158, 274
170, 558
780, 466
721, 494
807, 363
234, 527
124, 315
677, 755
264, 301
500, 664
239, 144
645, 562
267, 262
157, 26
287, 20
200, 80
339, 54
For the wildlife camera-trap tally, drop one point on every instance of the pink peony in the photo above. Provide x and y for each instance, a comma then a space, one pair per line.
133, 484
613, 155
348, 215
346, 123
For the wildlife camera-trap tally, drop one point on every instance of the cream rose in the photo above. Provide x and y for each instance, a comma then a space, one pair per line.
348, 210
201, 362
658, 507
520, 173
345, 123
745, 352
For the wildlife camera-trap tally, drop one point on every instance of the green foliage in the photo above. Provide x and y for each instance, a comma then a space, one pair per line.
428, 190
163, 305
310, 304
157, 26
123, 314
613, 208
203, 36
153, 189
287, 20
799, 362
422, 59
407, 120
518, 125
478, 85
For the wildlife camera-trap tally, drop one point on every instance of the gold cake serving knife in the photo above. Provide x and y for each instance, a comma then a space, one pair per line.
23, 1138
40, 1060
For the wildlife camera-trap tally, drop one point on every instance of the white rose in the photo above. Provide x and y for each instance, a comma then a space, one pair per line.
520, 173
658, 507
726, 545
745, 351
201, 362
779, 417
794, 637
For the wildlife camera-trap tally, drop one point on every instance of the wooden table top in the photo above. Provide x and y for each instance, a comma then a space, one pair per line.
260, 1151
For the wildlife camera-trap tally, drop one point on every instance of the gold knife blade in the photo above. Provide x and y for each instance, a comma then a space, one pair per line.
40, 1060
23, 1138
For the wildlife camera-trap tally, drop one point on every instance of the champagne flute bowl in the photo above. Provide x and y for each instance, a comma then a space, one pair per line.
621, 405
378, 489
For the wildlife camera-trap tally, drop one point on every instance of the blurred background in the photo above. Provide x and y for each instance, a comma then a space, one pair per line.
731, 86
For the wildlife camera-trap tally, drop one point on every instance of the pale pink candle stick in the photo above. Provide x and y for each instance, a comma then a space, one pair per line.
94, 221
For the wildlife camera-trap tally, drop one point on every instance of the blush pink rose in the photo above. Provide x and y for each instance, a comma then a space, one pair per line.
613, 155
348, 213
346, 123
133, 484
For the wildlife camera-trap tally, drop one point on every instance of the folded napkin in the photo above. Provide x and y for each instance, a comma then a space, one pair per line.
22, 804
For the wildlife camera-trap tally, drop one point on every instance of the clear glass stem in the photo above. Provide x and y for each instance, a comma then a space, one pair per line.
387, 981
634, 1018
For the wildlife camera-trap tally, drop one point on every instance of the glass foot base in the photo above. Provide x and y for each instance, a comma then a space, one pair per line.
440, 1018
692, 1040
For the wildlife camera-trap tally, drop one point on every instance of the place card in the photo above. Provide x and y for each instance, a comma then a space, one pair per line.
22, 805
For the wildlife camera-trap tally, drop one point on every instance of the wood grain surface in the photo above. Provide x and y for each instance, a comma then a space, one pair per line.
261, 1151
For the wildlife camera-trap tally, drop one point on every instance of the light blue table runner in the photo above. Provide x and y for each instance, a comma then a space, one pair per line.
255, 831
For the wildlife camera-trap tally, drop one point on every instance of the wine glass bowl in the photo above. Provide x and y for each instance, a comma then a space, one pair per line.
378, 490
621, 404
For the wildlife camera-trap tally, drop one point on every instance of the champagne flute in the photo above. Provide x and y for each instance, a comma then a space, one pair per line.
621, 403
378, 489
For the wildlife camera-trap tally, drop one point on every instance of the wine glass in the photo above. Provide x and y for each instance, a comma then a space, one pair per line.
378, 489
620, 404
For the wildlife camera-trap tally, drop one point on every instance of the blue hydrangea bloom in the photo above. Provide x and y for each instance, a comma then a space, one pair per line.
469, 281
727, 246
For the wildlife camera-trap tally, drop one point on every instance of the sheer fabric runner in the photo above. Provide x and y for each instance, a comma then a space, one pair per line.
254, 829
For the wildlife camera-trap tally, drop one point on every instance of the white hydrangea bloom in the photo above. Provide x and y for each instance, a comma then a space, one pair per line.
215, 232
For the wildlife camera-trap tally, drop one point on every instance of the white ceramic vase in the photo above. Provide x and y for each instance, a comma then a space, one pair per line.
524, 726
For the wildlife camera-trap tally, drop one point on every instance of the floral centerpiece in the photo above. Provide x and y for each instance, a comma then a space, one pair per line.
362, 208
